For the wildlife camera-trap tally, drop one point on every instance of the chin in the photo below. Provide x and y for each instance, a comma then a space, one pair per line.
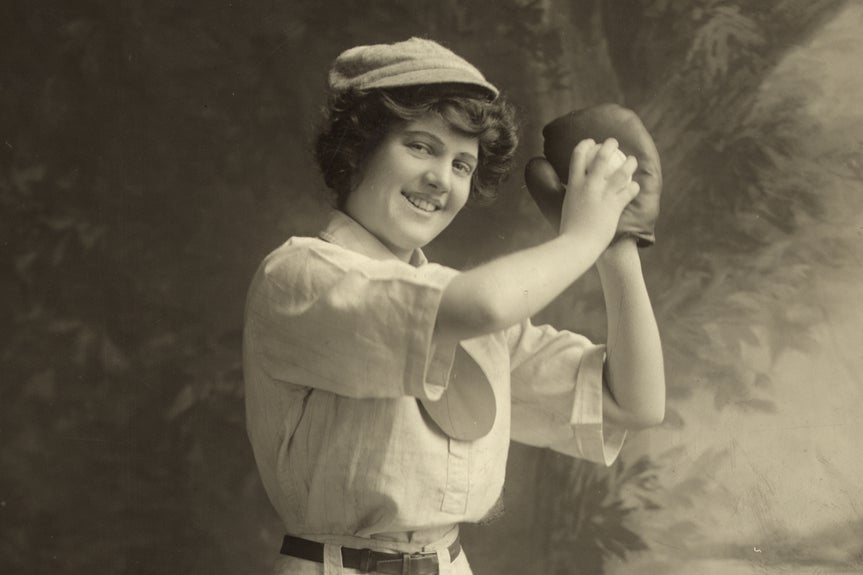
410, 239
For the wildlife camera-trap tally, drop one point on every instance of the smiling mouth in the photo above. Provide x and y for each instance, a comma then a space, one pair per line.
420, 203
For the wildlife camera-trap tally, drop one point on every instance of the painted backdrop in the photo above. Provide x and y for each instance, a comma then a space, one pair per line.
153, 152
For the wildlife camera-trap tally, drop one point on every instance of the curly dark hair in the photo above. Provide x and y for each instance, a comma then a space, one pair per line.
356, 122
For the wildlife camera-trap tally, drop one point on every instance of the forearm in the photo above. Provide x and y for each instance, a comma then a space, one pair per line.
635, 374
514, 287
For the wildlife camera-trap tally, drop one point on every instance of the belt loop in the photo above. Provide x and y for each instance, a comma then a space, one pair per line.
406, 564
365, 558
444, 562
333, 559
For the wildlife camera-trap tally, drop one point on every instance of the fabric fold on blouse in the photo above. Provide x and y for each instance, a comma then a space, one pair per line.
338, 346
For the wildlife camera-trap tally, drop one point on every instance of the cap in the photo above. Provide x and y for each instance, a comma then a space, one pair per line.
409, 63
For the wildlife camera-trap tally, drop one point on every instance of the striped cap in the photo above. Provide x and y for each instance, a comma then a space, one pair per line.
409, 63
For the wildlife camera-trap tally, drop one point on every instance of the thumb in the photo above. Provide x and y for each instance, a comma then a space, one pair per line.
545, 188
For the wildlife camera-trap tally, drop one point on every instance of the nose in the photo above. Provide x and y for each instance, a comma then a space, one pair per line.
439, 176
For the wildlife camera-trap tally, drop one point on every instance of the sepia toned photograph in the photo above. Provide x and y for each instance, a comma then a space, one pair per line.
492, 287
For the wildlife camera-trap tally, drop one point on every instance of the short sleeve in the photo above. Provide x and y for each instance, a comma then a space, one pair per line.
557, 393
322, 316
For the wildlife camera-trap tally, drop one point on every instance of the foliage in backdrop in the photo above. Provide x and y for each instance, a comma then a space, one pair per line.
153, 152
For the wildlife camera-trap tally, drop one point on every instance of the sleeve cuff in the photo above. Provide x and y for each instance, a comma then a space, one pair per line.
591, 439
434, 360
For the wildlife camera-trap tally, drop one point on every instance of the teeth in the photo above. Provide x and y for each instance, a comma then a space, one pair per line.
420, 203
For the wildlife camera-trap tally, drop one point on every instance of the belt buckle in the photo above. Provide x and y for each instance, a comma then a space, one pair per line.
410, 564
365, 560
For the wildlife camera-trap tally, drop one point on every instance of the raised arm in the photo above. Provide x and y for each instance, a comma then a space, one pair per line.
634, 370
512, 288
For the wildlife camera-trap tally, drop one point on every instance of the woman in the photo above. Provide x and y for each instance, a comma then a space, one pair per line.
382, 390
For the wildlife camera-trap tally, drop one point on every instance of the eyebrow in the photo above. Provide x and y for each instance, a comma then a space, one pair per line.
439, 142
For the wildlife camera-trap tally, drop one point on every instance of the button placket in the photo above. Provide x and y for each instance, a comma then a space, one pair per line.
458, 477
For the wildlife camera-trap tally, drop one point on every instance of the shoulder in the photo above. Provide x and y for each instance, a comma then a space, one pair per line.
311, 265
306, 258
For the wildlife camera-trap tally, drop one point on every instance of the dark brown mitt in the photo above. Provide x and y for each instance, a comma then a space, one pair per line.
544, 175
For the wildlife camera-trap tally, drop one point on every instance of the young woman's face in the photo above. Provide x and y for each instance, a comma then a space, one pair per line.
414, 183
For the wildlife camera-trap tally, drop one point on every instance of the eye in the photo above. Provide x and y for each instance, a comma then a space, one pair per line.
420, 147
463, 168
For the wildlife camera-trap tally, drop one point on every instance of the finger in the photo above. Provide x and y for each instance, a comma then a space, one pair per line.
580, 159
629, 166
604, 156
623, 174
630, 190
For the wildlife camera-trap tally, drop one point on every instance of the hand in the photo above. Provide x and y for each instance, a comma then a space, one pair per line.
597, 190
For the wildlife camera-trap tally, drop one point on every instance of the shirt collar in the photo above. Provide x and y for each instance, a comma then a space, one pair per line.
346, 232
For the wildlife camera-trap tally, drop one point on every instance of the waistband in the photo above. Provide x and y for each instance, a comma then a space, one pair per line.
367, 560
425, 541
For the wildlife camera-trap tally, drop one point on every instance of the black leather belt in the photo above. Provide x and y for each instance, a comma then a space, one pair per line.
369, 561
